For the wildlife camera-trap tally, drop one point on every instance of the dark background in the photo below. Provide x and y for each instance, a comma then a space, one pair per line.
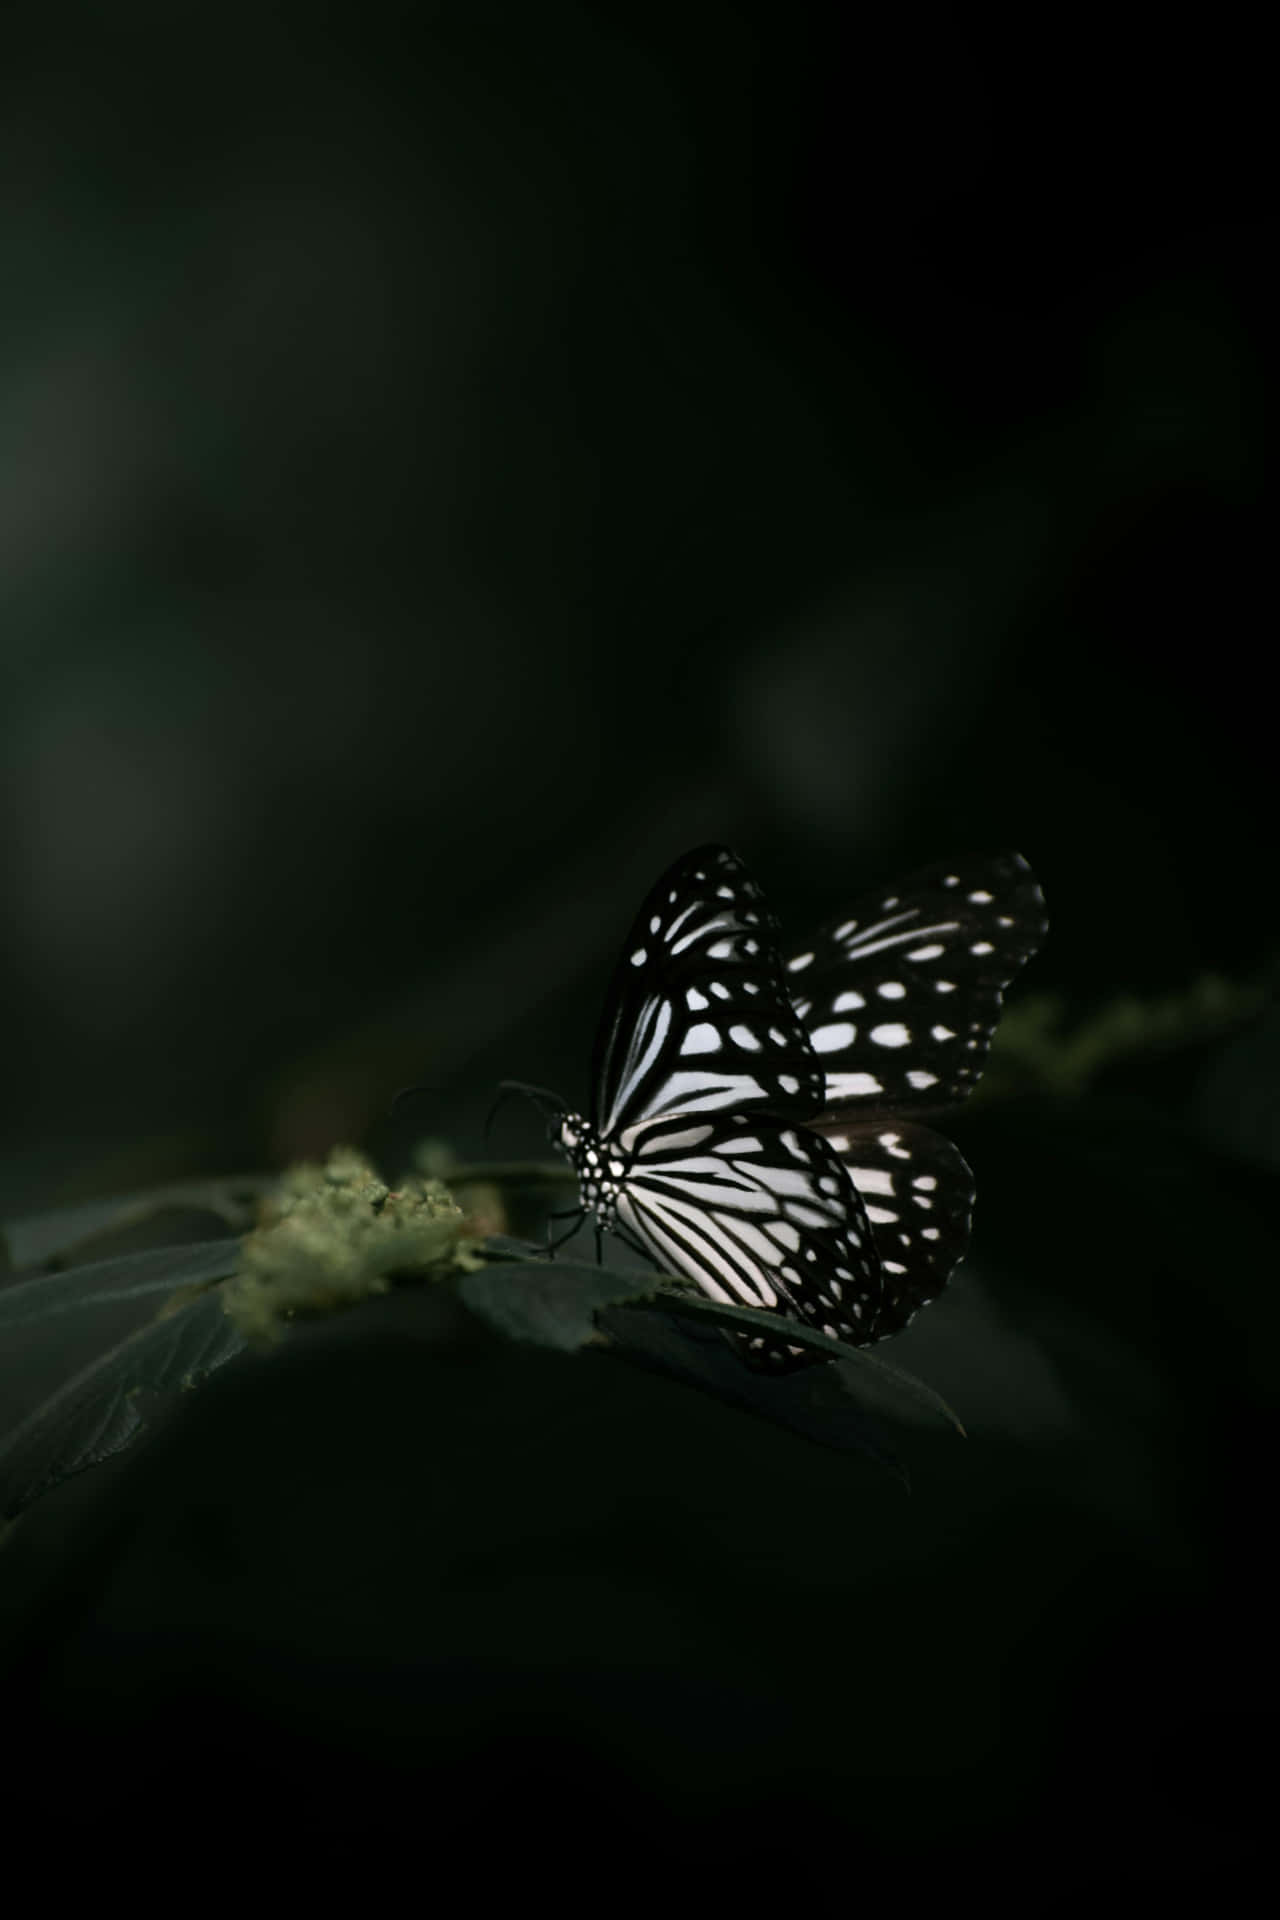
455, 459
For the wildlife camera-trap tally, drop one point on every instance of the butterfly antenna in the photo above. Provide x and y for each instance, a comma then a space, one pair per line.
500, 1098
549, 1104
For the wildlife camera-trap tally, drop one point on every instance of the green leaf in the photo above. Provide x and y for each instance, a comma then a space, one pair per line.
866, 1377
660, 1323
502, 1246
872, 1379
554, 1302
104, 1406
814, 1403
42, 1237
134, 1276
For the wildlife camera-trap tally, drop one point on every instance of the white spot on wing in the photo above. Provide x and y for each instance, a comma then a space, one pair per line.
830, 1039
920, 1080
697, 932
847, 1002
872, 1180
744, 1037
703, 1038
850, 1086
892, 1034
931, 952
801, 960
639, 957
891, 990
685, 914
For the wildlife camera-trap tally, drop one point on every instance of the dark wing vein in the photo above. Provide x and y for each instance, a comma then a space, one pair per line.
758, 1214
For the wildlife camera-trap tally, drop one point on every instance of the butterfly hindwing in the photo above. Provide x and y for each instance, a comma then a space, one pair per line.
902, 994
918, 1194
758, 1213
698, 1016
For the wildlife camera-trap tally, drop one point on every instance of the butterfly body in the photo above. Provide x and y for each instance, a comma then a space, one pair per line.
601, 1172
754, 1124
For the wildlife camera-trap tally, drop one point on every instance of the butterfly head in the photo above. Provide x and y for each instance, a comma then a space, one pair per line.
569, 1133
599, 1169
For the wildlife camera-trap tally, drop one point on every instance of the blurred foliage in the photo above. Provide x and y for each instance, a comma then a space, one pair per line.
1039, 1048
101, 1408
91, 1230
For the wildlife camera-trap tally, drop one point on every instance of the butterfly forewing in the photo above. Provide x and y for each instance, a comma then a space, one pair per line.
918, 1194
902, 994
699, 1019
759, 1214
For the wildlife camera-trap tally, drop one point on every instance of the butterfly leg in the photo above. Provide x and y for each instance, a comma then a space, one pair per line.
570, 1213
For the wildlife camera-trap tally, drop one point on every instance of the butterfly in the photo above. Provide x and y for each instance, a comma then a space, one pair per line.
754, 1123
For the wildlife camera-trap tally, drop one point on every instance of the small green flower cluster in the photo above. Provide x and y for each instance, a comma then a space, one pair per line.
333, 1235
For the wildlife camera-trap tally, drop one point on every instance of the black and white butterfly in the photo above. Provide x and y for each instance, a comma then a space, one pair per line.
753, 1123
